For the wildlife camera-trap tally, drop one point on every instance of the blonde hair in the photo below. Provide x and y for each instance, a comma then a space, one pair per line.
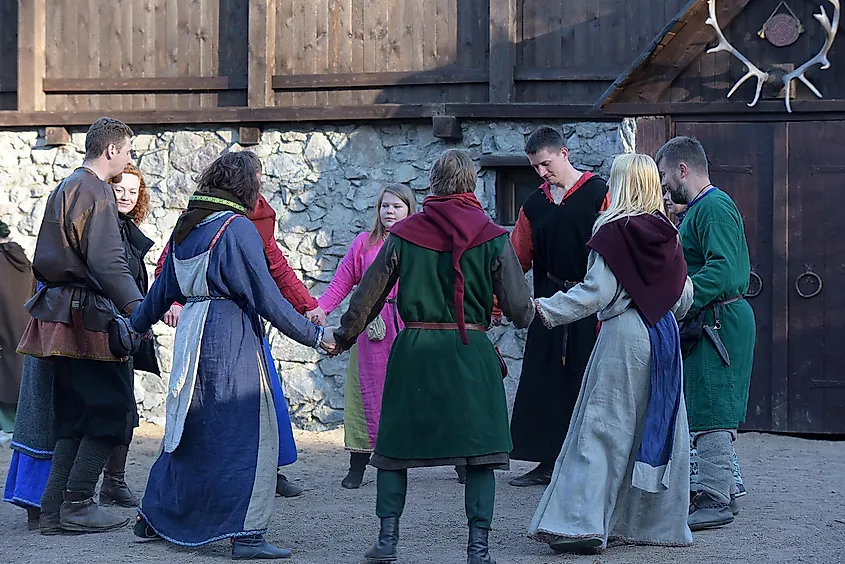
378, 230
634, 189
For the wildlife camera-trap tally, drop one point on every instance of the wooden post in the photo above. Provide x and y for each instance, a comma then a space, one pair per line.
652, 134
262, 52
501, 53
32, 56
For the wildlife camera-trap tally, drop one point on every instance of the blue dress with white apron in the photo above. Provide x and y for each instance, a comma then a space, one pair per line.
216, 474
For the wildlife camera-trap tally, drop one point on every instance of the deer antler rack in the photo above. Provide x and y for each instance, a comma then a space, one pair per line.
725, 45
821, 58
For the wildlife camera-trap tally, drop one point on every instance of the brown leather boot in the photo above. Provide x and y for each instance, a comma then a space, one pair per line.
114, 490
79, 513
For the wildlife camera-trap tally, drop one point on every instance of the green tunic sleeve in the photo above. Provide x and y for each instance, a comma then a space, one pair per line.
720, 238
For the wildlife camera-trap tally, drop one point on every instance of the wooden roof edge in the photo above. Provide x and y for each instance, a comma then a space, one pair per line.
642, 60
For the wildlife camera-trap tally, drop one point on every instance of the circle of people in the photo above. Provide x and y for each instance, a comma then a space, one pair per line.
634, 379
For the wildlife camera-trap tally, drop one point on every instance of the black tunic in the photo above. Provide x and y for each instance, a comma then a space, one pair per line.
137, 245
549, 384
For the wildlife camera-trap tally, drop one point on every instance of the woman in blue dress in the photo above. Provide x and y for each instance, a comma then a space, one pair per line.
215, 477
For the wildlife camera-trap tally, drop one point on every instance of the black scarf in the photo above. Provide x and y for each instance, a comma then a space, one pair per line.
200, 206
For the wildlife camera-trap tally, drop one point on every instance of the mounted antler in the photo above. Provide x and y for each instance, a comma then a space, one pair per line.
821, 59
724, 45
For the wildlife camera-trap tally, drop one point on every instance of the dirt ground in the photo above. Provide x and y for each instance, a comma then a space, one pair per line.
794, 513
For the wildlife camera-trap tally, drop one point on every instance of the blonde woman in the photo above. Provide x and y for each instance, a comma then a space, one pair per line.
629, 431
368, 361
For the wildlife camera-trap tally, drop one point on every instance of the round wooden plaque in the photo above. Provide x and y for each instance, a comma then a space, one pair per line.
782, 30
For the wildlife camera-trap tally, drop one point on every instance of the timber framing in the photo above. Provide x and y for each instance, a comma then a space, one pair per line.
680, 43
257, 115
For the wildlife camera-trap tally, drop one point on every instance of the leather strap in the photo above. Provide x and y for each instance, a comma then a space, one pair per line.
443, 326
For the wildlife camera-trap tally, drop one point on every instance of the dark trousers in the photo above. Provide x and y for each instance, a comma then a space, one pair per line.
93, 398
480, 495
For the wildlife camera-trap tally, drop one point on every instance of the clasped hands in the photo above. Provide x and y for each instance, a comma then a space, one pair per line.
328, 344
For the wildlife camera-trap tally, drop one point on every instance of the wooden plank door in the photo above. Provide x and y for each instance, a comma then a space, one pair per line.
816, 277
741, 164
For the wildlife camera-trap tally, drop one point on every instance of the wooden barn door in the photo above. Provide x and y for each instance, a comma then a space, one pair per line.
741, 164
788, 180
816, 277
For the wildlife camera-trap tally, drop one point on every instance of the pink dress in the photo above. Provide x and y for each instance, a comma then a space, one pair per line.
368, 362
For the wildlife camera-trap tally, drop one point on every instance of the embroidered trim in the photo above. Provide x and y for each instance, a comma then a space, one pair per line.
542, 314
15, 445
221, 230
213, 539
221, 201
19, 500
358, 450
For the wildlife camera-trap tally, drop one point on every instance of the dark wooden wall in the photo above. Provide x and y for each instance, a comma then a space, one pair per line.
81, 57
572, 51
710, 77
8, 55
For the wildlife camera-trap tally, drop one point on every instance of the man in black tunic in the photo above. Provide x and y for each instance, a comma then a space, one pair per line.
551, 236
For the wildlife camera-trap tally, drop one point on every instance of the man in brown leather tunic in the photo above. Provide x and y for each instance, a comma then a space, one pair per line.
80, 259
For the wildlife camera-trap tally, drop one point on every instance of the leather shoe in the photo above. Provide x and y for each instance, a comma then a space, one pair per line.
254, 547
143, 530
80, 514
582, 545
388, 537
706, 512
286, 488
540, 476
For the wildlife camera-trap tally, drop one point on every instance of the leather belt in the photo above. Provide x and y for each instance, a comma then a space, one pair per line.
444, 326
563, 286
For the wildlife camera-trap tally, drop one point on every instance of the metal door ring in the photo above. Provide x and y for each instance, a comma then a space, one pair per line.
808, 274
756, 291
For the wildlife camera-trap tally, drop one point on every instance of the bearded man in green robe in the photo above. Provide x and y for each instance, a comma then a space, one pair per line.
717, 370
444, 401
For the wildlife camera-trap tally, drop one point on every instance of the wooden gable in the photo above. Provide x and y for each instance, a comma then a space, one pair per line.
675, 74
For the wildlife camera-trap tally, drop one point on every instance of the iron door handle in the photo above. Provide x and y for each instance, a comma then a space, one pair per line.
808, 274
756, 292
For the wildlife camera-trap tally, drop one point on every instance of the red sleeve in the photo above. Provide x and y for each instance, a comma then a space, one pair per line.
605, 203
160, 263
522, 241
292, 288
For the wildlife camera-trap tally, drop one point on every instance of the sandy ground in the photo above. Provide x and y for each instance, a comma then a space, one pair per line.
794, 513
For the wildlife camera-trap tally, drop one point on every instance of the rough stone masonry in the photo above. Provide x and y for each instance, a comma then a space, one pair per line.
322, 182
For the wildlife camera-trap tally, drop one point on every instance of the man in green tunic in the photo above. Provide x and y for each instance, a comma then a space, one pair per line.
717, 371
444, 401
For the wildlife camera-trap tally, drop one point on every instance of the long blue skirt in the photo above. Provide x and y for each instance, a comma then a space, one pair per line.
26, 480
287, 445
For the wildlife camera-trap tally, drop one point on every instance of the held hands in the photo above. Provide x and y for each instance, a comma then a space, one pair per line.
171, 318
328, 343
317, 317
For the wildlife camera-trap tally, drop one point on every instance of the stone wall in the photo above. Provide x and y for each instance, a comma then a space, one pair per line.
322, 181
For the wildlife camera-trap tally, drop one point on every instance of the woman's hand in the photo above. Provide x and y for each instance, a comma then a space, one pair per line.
317, 316
328, 343
171, 318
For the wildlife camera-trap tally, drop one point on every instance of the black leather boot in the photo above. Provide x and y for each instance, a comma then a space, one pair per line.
48, 524
539, 476
286, 488
254, 547
461, 471
143, 530
33, 516
79, 513
114, 490
477, 547
388, 537
357, 465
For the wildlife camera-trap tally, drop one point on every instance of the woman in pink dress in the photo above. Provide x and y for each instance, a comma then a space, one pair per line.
368, 359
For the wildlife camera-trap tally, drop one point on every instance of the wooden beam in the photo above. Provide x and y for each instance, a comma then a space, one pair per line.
262, 53
564, 75
32, 54
678, 52
710, 109
527, 111
54, 136
502, 53
145, 84
446, 127
351, 80
503, 161
249, 136
372, 112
